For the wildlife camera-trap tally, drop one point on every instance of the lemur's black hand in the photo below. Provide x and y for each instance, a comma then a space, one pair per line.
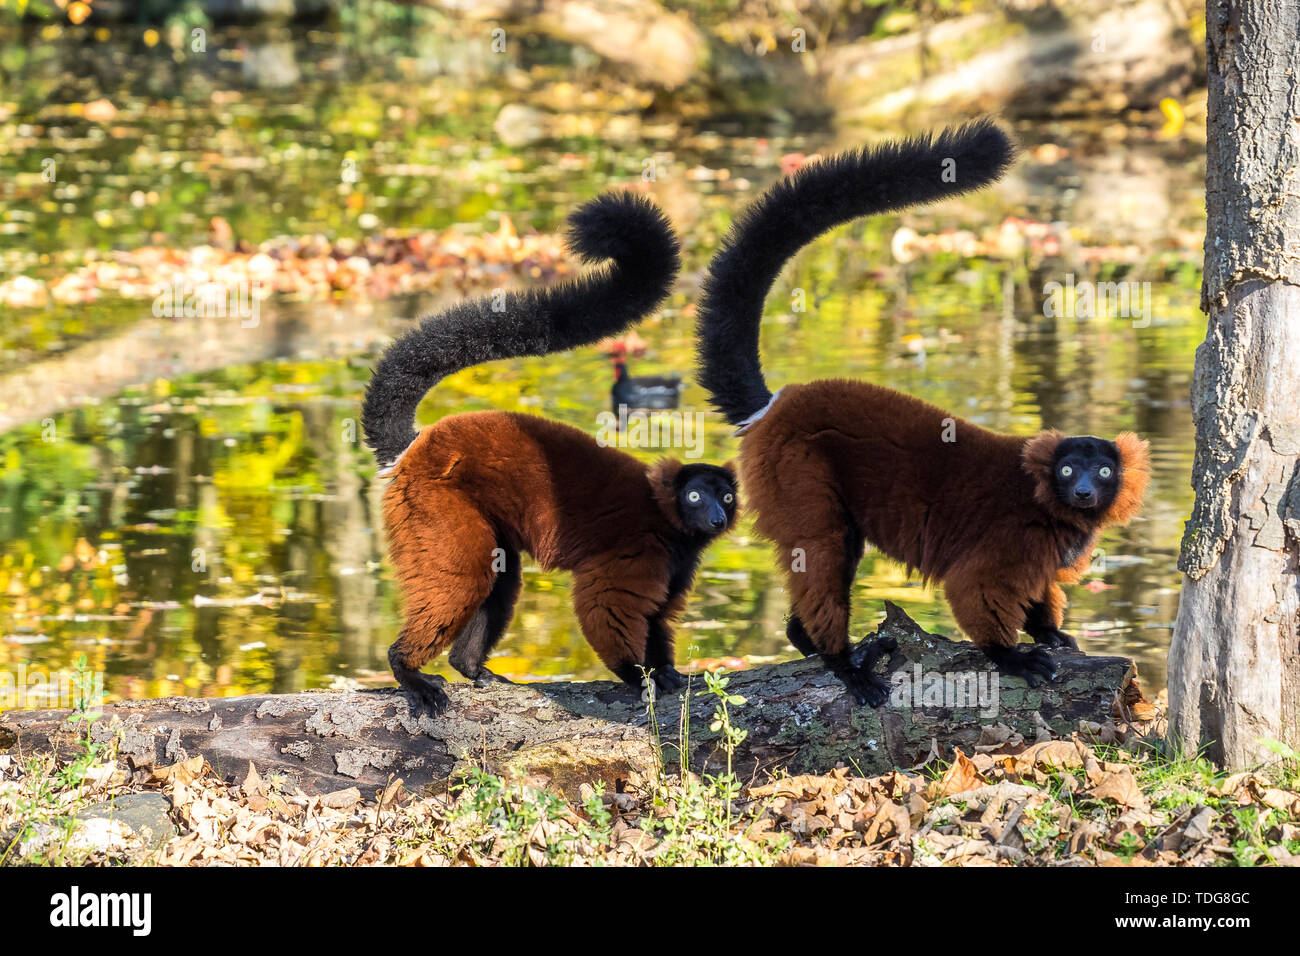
1032, 663
1053, 637
865, 686
668, 680
425, 693
866, 654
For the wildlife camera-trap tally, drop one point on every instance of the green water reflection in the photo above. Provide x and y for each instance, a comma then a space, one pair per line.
218, 532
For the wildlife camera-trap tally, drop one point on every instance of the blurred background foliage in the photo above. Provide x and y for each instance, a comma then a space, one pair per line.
200, 517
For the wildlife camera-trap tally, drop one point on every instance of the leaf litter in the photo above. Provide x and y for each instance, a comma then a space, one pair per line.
1100, 796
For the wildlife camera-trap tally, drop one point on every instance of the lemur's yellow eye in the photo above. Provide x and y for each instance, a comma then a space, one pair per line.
693, 496
1105, 471
728, 498
1066, 471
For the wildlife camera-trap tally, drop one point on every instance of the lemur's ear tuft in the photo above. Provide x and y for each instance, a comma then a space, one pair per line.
1038, 459
1134, 475
663, 476
730, 468
664, 472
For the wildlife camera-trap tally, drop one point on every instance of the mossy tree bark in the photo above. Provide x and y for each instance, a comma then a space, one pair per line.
1234, 664
797, 716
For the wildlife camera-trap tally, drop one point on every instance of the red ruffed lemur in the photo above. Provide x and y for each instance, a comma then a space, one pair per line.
827, 466
470, 492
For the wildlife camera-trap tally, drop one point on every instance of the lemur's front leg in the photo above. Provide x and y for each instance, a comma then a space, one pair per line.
615, 614
661, 650
992, 616
1044, 619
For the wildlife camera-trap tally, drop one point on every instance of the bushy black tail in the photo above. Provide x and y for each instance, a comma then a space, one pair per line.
628, 229
801, 207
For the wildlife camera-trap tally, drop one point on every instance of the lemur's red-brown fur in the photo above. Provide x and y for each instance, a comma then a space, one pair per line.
481, 481
471, 492
830, 465
835, 462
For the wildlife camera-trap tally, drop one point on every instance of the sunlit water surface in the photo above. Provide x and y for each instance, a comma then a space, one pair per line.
219, 532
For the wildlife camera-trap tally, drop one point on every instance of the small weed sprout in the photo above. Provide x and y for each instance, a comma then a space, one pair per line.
48, 800
732, 737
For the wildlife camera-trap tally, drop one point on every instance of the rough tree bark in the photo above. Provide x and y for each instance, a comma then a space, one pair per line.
798, 718
1234, 664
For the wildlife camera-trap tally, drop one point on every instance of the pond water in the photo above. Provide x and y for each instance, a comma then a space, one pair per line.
216, 531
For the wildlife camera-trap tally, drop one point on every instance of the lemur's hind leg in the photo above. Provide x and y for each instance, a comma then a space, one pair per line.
1044, 618
472, 647
819, 574
798, 637
819, 610
444, 564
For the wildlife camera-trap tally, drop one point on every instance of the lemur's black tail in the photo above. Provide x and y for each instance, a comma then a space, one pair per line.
627, 229
798, 209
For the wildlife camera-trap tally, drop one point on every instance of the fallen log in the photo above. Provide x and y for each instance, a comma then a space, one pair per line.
797, 716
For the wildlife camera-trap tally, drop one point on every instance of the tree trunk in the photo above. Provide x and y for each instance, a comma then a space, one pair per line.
1234, 664
797, 715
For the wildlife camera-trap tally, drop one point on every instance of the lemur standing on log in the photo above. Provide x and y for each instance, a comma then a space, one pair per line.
473, 490
1001, 520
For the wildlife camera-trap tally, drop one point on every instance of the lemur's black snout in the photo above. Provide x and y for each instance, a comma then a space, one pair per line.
718, 518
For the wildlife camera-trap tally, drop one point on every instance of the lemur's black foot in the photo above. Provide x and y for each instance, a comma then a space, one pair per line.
471, 667
486, 678
865, 686
1054, 637
667, 680
1033, 664
423, 691
631, 675
866, 654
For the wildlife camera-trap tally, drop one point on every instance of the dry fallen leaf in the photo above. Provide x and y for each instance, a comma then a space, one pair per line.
1106, 858
1121, 787
342, 799
890, 822
1283, 800
637, 840
961, 775
998, 737
182, 772
1049, 755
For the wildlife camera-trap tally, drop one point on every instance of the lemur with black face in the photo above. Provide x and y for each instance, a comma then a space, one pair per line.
472, 491
1001, 520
